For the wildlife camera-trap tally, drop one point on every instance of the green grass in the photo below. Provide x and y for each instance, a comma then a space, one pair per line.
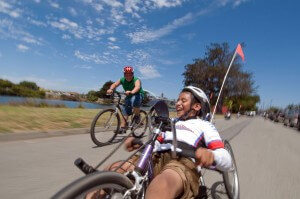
23, 118
30, 119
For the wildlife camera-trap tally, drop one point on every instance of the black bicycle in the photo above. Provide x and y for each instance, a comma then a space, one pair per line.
106, 124
133, 184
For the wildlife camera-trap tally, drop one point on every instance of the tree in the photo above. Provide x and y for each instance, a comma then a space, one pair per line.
29, 85
91, 96
208, 73
105, 87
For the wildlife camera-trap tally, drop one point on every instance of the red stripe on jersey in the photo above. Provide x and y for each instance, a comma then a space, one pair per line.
216, 144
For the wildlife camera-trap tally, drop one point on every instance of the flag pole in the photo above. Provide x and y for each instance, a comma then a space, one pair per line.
213, 114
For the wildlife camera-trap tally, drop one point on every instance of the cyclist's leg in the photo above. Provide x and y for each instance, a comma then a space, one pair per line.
167, 185
136, 103
184, 167
127, 110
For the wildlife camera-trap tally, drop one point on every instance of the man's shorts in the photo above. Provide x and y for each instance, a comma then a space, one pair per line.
185, 167
132, 101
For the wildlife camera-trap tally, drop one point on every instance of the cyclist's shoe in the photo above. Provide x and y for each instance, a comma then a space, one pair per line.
137, 119
122, 130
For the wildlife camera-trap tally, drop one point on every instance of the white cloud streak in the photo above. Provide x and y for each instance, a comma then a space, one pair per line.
151, 35
79, 32
54, 4
22, 48
8, 9
148, 72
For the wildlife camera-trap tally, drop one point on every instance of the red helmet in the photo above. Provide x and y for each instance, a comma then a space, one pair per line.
128, 69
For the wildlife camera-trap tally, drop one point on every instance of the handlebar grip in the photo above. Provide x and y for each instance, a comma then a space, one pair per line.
83, 166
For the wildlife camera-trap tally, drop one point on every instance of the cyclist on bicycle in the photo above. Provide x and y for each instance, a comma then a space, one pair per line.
178, 178
134, 94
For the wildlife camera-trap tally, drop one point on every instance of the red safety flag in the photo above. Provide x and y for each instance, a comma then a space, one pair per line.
240, 51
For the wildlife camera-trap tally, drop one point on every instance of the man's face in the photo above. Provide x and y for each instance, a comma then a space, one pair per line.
183, 105
128, 76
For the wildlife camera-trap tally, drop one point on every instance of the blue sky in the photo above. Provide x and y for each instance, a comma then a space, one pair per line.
78, 45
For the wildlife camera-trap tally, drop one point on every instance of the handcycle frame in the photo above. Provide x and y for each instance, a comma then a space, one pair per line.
115, 114
135, 182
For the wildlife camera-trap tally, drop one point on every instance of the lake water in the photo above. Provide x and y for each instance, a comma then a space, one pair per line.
69, 104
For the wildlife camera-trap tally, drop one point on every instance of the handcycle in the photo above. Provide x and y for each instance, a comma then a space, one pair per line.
133, 184
106, 124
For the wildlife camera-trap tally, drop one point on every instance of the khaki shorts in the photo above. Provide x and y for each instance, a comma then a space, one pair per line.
185, 167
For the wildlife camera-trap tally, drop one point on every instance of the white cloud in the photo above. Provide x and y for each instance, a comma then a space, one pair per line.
151, 35
22, 48
73, 12
143, 61
100, 21
167, 3
148, 72
79, 32
84, 67
89, 57
66, 36
54, 4
36, 22
113, 3
8, 9
37, 1
131, 6
114, 47
31, 40
113, 39
8, 29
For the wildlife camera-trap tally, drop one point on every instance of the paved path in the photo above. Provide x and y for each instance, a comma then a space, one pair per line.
267, 156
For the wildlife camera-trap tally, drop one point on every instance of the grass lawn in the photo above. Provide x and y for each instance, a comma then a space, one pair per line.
22, 118
30, 119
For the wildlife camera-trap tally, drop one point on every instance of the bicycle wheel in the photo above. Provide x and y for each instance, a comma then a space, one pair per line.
230, 177
107, 184
139, 129
105, 127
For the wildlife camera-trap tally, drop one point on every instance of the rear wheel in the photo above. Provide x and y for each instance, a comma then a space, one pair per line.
105, 127
139, 129
97, 185
230, 177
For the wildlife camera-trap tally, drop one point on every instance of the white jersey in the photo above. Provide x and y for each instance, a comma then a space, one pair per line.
197, 133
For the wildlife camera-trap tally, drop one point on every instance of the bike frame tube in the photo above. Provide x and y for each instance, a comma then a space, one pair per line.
142, 164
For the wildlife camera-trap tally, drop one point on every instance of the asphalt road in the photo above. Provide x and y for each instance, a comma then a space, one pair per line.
266, 153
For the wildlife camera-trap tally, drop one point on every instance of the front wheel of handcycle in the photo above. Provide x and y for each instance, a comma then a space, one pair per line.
104, 184
230, 177
105, 127
139, 128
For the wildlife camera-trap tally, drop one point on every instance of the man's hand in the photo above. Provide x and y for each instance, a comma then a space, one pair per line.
204, 157
128, 93
129, 146
109, 91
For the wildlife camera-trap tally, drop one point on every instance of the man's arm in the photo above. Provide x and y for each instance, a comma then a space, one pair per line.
137, 86
113, 86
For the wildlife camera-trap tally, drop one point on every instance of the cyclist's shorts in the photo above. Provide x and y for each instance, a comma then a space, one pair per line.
132, 101
186, 169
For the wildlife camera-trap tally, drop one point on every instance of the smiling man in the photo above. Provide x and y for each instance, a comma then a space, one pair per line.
134, 94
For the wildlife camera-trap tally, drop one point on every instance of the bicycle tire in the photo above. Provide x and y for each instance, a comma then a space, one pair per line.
98, 127
140, 129
113, 182
232, 189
